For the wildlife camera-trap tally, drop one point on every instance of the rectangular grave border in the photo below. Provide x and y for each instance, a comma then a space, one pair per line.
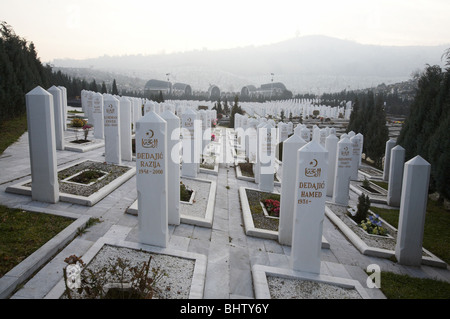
198, 277
91, 200
261, 272
365, 249
374, 198
251, 230
23, 271
186, 219
252, 179
82, 148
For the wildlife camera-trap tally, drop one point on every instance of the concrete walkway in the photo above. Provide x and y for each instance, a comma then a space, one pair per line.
230, 253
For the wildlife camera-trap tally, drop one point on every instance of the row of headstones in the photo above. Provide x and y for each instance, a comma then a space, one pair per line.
297, 107
114, 119
303, 198
261, 138
157, 136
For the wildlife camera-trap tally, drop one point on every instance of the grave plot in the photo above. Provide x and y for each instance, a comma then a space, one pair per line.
245, 172
257, 223
81, 145
85, 183
305, 277
376, 193
277, 283
80, 137
210, 161
371, 172
176, 274
370, 244
198, 209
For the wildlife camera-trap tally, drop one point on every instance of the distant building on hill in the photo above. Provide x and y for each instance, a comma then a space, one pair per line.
181, 89
213, 92
153, 87
269, 90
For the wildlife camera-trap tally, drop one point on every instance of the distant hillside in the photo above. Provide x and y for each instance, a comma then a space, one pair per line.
310, 64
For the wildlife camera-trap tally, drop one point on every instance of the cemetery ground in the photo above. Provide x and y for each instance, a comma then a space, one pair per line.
231, 255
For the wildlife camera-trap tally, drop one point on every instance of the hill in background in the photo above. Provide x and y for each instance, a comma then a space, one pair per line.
310, 64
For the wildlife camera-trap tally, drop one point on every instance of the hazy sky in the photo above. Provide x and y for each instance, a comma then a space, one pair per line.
82, 29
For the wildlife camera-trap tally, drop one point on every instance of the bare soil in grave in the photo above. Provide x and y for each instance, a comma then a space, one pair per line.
114, 171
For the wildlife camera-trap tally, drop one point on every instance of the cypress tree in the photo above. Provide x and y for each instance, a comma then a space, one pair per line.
114, 90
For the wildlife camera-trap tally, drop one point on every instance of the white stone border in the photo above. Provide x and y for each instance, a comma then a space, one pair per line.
192, 220
374, 251
251, 230
23, 271
76, 199
260, 273
198, 277
252, 179
82, 148
374, 198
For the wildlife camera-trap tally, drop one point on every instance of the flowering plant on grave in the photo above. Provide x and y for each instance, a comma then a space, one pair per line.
213, 137
272, 206
372, 225
86, 129
77, 122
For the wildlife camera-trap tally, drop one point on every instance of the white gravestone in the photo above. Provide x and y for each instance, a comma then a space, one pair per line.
151, 180
64, 99
173, 165
97, 115
111, 122
331, 146
257, 165
387, 159
266, 157
89, 106
125, 129
287, 198
41, 138
343, 172
416, 178
395, 176
355, 156
311, 176
188, 125
58, 112
305, 134
361, 144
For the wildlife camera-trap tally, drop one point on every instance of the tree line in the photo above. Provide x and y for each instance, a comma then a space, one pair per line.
368, 117
426, 131
21, 71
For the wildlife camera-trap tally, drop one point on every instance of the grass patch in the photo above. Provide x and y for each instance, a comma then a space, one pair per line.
22, 233
259, 220
12, 130
381, 184
436, 237
395, 286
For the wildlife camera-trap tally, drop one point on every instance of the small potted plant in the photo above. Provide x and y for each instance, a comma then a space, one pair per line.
86, 129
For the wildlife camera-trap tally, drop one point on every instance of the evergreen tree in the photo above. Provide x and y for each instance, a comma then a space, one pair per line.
235, 109
377, 133
104, 89
426, 129
226, 109
93, 86
114, 90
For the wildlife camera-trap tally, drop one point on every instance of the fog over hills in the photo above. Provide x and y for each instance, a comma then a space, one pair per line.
309, 64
